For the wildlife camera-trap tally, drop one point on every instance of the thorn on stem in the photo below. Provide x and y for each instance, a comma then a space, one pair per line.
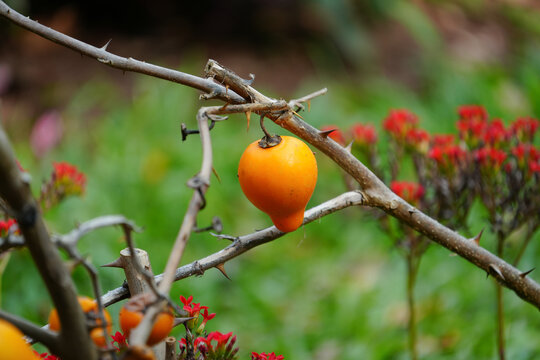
104, 47
248, 117
325, 133
525, 273
118, 263
249, 81
221, 267
349, 147
494, 270
476, 239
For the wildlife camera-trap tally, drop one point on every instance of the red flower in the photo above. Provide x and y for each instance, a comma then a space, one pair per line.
68, 179
468, 112
442, 140
364, 134
6, 225
265, 356
489, 157
335, 135
119, 339
494, 133
524, 128
472, 123
409, 191
46, 356
534, 166
447, 157
418, 139
399, 122
525, 151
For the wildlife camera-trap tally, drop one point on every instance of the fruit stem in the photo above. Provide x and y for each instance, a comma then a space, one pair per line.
268, 140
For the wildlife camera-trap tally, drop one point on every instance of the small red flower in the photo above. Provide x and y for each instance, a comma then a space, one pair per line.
418, 139
120, 339
489, 157
7, 225
399, 122
409, 191
265, 356
524, 128
494, 133
534, 167
443, 140
46, 356
469, 112
472, 123
447, 157
335, 135
68, 180
364, 134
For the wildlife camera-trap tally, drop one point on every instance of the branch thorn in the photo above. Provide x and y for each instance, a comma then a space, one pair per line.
104, 47
216, 174
118, 263
248, 117
181, 320
325, 133
221, 267
494, 269
525, 273
249, 81
349, 146
476, 239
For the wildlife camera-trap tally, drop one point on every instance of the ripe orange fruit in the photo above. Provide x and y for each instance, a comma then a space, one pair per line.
12, 344
90, 308
279, 180
132, 313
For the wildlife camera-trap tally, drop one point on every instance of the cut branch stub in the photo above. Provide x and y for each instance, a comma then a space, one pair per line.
135, 280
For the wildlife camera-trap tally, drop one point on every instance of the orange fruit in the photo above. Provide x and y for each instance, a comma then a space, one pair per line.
132, 314
12, 344
90, 308
279, 180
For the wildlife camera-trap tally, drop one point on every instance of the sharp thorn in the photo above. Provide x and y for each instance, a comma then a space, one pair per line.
308, 105
221, 267
495, 270
325, 133
104, 47
216, 174
349, 146
477, 238
295, 113
523, 274
181, 320
248, 117
118, 263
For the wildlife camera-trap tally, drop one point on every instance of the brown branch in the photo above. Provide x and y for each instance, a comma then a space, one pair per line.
208, 86
244, 243
74, 338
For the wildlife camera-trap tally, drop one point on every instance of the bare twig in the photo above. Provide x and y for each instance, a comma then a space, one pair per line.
127, 64
74, 338
244, 243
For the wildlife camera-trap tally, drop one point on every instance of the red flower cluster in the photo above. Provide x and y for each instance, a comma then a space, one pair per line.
194, 310
527, 155
524, 128
265, 356
120, 339
399, 122
489, 157
447, 157
409, 191
214, 346
6, 225
472, 122
68, 180
364, 134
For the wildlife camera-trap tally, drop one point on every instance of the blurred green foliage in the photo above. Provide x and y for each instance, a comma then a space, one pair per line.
334, 289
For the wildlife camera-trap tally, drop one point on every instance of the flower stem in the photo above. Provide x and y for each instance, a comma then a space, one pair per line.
500, 304
412, 270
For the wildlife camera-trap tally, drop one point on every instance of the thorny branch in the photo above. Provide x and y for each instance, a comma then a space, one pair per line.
241, 244
235, 90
